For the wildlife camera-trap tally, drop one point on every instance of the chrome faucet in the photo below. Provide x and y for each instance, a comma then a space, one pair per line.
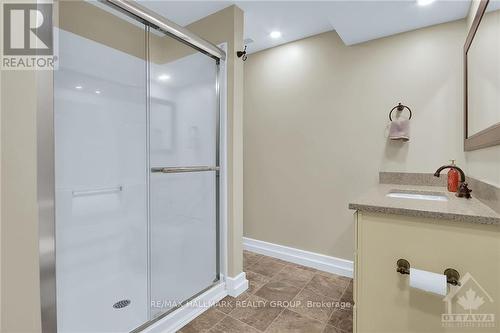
463, 189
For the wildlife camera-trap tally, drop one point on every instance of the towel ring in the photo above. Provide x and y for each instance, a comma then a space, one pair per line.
399, 107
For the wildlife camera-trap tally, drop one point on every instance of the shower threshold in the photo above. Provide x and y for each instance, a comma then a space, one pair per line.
176, 318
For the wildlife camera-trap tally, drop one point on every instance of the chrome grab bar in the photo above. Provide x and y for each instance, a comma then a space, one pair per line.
184, 169
97, 191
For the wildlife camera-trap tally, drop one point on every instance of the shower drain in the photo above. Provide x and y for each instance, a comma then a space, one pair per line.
121, 304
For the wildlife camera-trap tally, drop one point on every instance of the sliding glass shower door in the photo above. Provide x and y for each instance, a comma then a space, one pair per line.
101, 171
136, 169
183, 134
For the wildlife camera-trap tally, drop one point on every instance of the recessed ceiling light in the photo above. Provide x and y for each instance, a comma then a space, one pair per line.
97, 92
79, 87
164, 77
424, 2
275, 34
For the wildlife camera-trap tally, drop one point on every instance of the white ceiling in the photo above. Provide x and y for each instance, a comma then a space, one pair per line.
355, 21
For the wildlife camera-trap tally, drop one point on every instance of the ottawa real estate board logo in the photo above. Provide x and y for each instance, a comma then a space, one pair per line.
469, 306
27, 36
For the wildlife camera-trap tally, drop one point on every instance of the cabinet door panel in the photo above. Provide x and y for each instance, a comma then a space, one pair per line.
384, 300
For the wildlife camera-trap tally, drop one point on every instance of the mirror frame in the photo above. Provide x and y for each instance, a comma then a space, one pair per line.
491, 135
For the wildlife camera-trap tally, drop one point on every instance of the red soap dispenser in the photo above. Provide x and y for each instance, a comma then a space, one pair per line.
453, 178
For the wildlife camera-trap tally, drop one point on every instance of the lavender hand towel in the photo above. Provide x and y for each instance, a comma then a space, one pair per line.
400, 130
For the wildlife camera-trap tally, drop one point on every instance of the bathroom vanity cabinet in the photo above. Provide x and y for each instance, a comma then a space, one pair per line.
384, 301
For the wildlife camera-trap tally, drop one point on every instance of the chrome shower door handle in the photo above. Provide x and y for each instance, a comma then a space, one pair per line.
184, 169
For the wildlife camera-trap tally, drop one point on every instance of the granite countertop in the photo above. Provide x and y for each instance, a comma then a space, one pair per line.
457, 209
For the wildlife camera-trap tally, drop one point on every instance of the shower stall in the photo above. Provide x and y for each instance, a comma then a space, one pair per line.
137, 169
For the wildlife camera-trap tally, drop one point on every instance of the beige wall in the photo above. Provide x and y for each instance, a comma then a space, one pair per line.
20, 303
315, 128
483, 164
19, 282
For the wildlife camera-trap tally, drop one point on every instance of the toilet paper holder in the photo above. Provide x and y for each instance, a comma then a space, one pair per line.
452, 275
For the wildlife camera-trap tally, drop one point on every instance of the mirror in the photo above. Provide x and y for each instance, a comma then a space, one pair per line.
482, 78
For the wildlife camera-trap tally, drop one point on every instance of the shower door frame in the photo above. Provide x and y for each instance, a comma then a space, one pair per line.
46, 159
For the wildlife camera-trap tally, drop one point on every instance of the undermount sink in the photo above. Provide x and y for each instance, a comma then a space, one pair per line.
417, 195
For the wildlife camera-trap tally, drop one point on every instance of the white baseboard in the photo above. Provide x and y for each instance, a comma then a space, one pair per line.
237, 285
182, 316
310, 259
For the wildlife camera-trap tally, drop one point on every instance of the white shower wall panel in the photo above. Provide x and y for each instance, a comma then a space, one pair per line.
101, 207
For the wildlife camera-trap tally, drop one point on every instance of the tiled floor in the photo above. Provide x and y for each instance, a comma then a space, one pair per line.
282, 297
